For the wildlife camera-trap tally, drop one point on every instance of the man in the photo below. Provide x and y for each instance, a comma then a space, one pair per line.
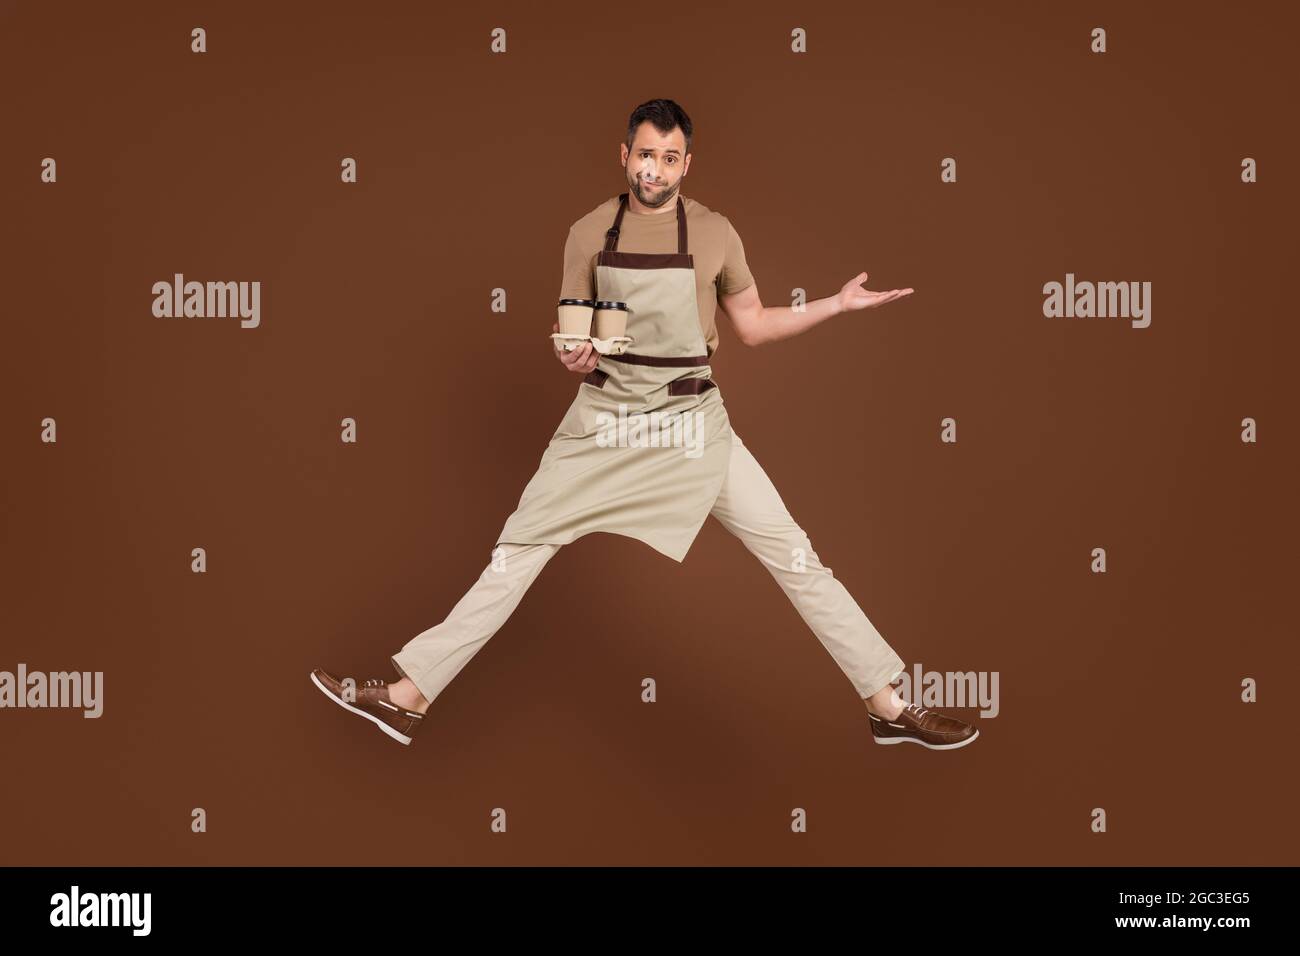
651, 492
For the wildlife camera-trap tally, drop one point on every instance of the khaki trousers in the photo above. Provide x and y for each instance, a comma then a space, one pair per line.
749, 507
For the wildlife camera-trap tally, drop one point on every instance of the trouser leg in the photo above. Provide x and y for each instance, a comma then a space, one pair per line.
434, 657
751, 509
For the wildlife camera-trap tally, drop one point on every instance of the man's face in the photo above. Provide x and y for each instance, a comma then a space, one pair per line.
656, 164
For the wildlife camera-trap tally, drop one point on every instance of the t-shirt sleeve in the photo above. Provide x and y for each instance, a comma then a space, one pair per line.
735, 274
578, 281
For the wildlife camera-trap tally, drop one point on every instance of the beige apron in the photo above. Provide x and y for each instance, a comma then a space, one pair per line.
644, 448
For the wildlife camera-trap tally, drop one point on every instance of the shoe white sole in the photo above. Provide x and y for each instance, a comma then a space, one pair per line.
913, 740
395, 734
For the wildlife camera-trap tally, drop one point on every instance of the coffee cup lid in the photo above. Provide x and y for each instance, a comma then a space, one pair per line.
607, 304
577, 301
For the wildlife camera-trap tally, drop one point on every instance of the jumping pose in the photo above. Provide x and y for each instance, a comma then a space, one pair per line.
647, 450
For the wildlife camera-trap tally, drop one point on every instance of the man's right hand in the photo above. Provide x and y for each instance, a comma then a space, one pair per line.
582, 359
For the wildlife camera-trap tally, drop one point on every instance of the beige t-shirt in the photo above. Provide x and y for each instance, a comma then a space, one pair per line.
717, 252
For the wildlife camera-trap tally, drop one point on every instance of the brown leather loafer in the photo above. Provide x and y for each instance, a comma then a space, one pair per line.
922, 726
373, 703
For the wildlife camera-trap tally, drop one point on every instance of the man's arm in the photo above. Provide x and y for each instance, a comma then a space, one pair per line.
578, 283
756, 324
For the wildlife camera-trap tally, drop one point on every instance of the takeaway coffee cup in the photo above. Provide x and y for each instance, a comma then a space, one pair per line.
611, 319
575, 316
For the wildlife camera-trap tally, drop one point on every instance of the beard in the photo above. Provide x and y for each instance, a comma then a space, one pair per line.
659, 197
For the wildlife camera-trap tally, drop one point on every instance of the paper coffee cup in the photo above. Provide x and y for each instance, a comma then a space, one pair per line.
611, 319
575, 316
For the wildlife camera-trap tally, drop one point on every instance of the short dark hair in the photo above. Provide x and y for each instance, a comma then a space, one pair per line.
665, 115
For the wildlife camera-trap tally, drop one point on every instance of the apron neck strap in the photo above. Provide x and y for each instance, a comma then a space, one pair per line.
611, 234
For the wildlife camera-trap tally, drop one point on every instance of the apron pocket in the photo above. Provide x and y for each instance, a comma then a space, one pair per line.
690, 386
596, 377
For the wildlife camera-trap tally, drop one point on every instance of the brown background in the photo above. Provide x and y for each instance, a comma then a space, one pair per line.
1118, 691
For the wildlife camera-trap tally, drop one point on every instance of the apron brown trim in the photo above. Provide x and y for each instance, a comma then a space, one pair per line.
645, 260
690, 386
611, 234
678, 386
661, 361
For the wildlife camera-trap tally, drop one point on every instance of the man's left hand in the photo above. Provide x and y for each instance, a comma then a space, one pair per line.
853, 297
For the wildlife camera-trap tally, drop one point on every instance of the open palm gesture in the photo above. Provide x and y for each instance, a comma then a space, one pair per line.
853, 297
